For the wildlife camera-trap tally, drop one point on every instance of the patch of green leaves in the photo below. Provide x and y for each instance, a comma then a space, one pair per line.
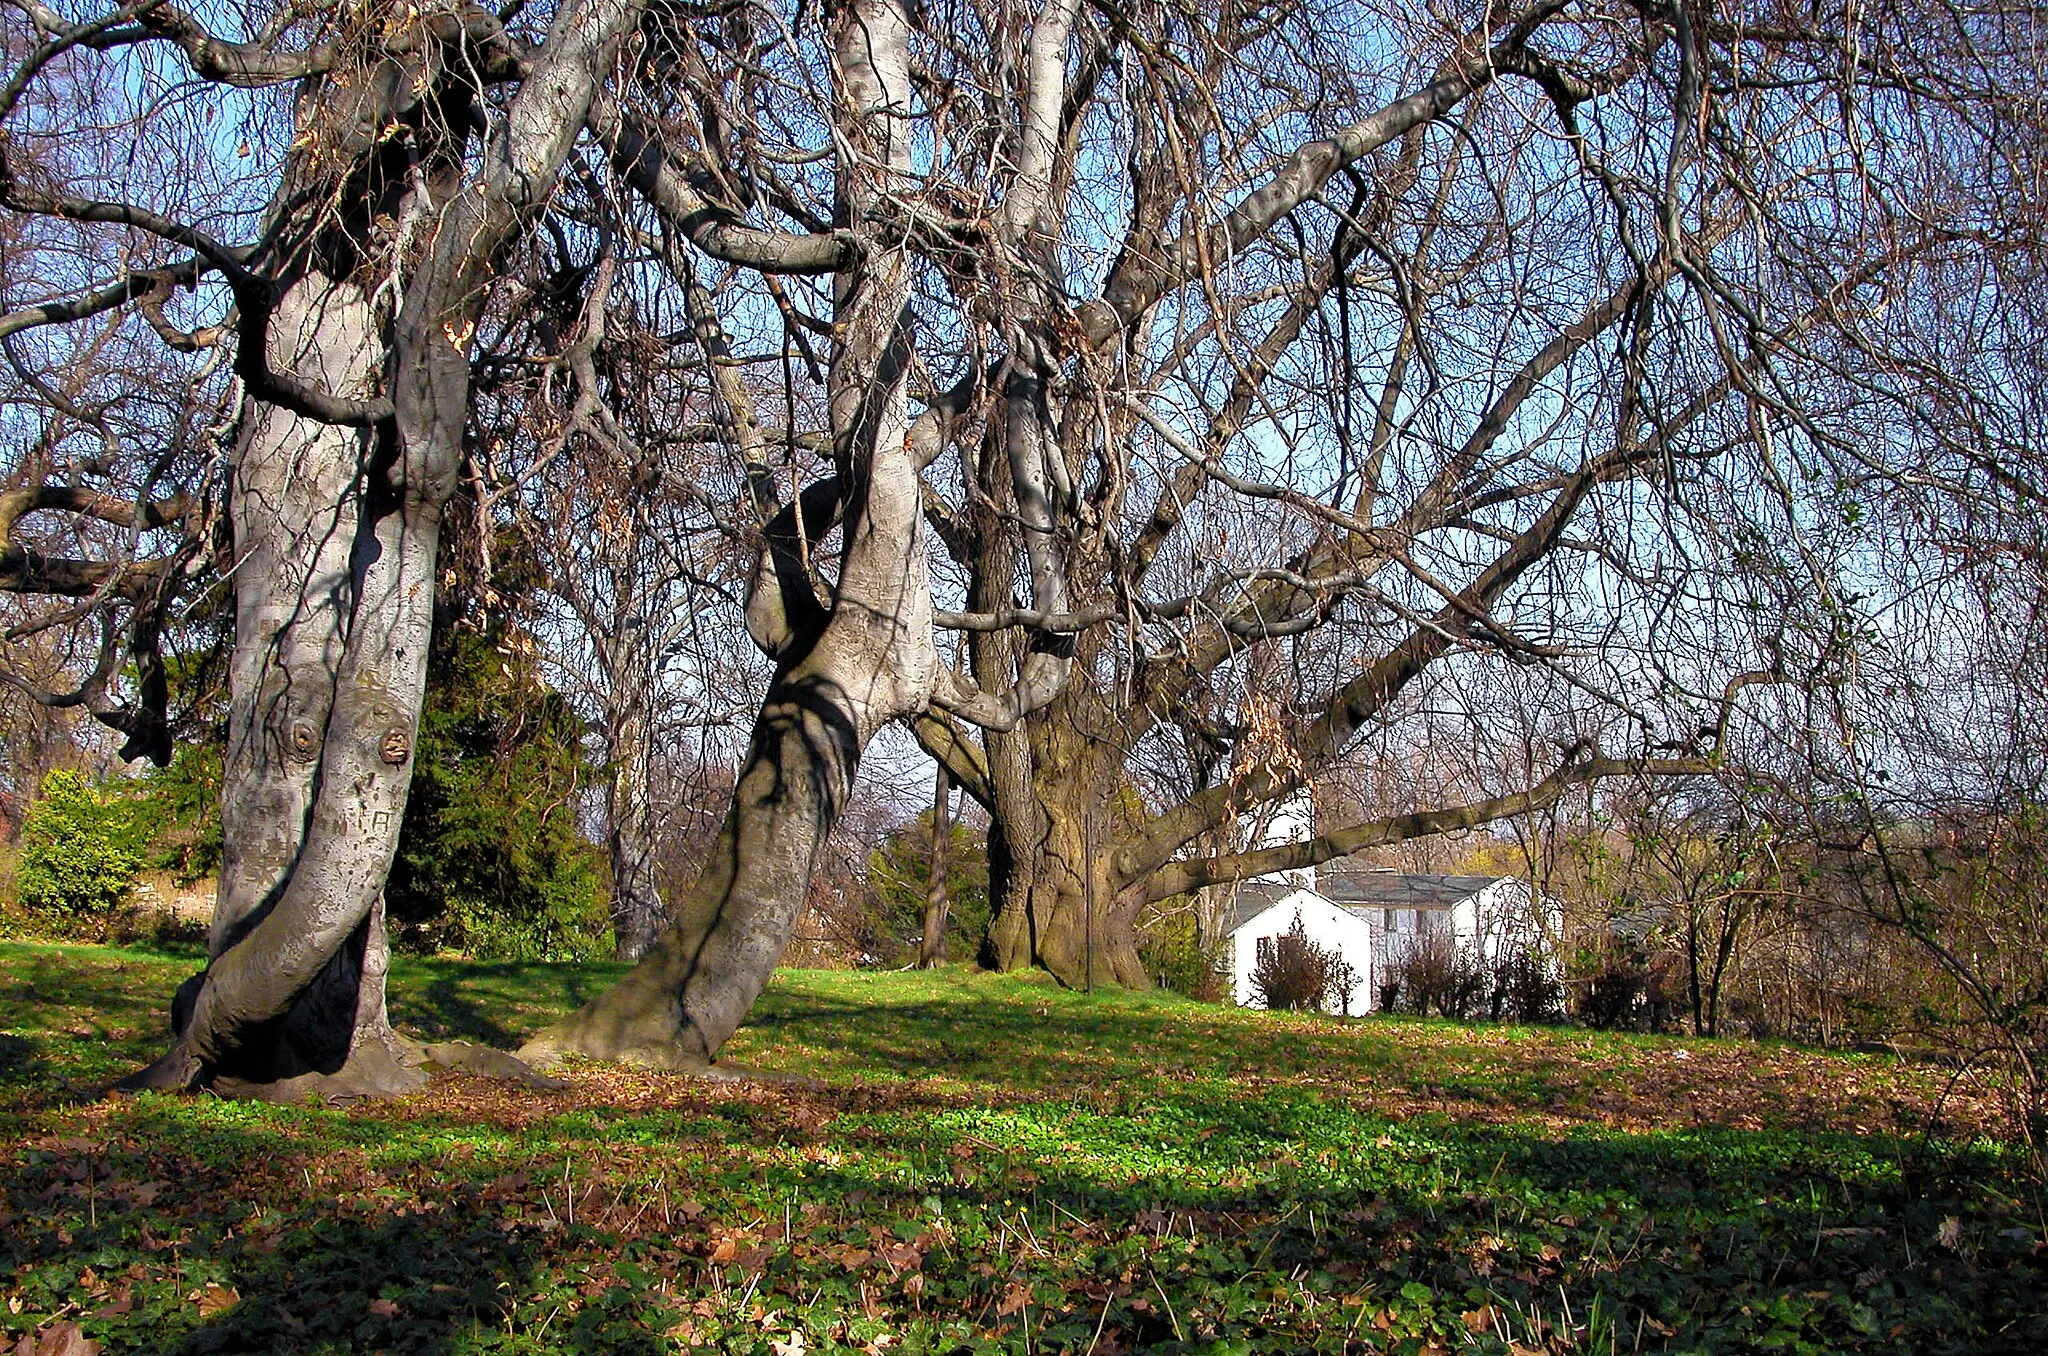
995, 1165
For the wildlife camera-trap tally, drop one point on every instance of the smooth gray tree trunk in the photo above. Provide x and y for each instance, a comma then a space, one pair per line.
931, 950
842, 673
637, 913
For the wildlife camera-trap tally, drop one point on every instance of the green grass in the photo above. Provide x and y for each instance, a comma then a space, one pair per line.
995, 1164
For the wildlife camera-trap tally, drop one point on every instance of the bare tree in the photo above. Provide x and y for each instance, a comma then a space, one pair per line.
1558, 372
1343, 349
418, 148
643, 565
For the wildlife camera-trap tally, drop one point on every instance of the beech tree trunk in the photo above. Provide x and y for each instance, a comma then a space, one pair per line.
1058, 904
334, 610
843, 670
297, 506
339, 539
931, 948
870, 662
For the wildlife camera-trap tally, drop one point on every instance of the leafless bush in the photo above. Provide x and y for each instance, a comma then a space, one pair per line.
1524, 988
1295, 973
1622, 986
1433, 977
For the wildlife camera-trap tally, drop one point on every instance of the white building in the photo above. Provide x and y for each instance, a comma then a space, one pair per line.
1375, 918
1266, 912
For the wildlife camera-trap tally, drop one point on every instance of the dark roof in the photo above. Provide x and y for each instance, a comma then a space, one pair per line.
1356, 890
1351, 886
1639, 923
1254, 897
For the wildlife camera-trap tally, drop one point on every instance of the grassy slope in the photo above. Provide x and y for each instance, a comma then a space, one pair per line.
993, 1164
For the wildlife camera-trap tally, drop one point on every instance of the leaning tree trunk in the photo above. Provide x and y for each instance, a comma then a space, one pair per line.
338, 590
296, 505
841, 673
871, 662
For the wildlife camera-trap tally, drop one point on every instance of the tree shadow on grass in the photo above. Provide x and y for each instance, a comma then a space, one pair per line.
414, 1283
75, 1025
436, 1267
18, 1061
1709, 1240
424, 1284
492, 1002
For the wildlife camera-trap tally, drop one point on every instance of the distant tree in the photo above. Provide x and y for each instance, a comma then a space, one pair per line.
639, 573
901, 872
491, 858
81, 846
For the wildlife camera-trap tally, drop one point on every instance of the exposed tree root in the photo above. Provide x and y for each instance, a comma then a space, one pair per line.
578, 1039
484, 1062
176, 1070
376, 1070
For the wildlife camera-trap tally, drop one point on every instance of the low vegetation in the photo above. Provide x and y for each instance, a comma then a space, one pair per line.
993, 1164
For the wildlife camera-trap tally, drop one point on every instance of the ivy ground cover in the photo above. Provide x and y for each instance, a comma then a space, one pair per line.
992, 1164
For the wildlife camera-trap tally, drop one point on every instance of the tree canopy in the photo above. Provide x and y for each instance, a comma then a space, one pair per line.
1255, 388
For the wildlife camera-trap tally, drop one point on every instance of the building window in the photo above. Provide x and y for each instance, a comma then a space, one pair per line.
1264, 950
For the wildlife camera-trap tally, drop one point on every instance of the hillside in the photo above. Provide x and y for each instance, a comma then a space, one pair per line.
996, 1164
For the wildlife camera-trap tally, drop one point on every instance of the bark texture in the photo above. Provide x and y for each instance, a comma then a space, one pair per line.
844, 670
338, 534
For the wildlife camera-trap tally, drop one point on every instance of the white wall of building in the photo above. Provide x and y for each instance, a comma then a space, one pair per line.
1288, 822
1326, 925
1506, 918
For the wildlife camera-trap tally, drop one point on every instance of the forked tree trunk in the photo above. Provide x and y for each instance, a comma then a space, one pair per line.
841, 674
334, 607
341, 534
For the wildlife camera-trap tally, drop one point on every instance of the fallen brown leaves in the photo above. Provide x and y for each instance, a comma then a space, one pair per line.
1556, 1079
58, 1339
1562, 1079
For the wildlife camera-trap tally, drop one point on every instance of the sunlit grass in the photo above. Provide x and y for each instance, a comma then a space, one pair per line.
992, 1163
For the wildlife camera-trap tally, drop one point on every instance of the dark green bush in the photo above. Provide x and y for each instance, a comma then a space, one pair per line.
490, 859
81, 848
181, 804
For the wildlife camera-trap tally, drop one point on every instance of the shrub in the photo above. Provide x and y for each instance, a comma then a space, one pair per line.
1432, 977
1296, 974
81, 847
1174, 957
1610, 986
182, 813
900, 872
490, 860
1622, 986
1524, 989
